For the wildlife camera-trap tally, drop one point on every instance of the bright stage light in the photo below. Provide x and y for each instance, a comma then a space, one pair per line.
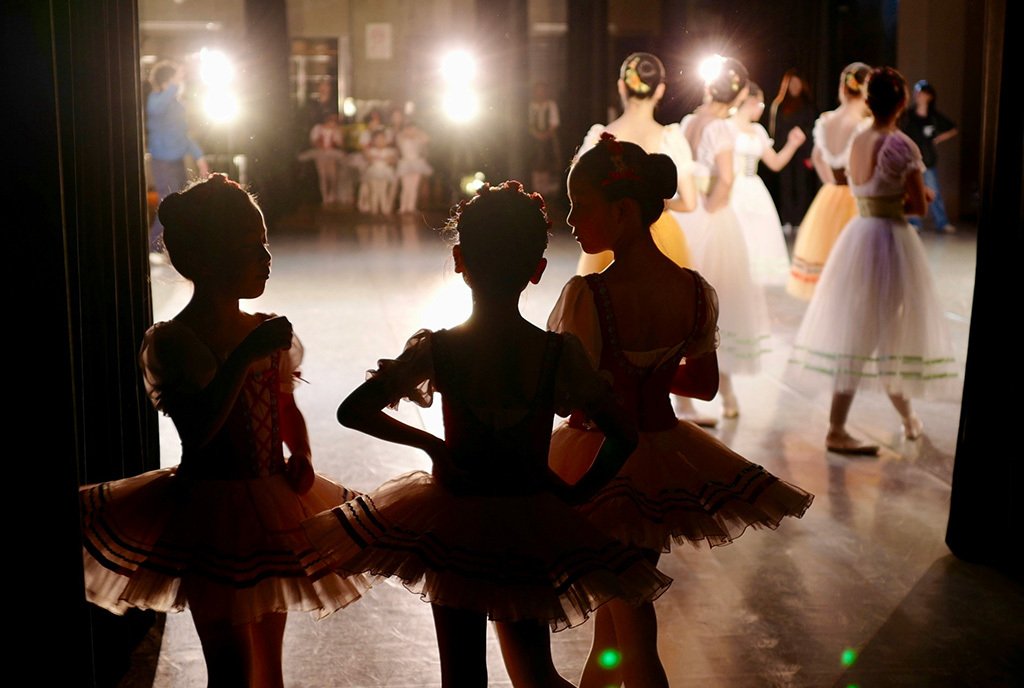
215, 69
220, 107
458, 67
348, 107
471, 183
710, 68
461, 105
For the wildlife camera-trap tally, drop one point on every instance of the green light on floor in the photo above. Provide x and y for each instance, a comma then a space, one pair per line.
610, 658
849, 656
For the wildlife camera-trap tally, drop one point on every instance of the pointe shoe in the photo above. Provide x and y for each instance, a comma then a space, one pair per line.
847, 444
913, 428
730, 408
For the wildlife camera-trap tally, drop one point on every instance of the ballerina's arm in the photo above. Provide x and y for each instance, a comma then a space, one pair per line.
299, 468
722, 187
587, 391
363, 410
199, 416
697, 377
777, 160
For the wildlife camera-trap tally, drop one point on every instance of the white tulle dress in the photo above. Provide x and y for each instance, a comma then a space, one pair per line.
720, 254
762, 229
875, 320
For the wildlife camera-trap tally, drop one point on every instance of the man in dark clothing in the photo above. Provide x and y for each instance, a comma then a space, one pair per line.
929, 127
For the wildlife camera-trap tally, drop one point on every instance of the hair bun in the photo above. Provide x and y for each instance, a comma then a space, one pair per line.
171, 209
661, 174
729, 81
642, 73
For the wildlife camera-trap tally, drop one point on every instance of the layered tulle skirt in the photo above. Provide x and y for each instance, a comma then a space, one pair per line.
680, 486
762, 230
414, 166
668, 237
511, 557
875, 319
229, 549
831, 209
721, 256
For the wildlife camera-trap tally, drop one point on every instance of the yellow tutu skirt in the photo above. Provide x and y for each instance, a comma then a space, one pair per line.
832, 208
668, 237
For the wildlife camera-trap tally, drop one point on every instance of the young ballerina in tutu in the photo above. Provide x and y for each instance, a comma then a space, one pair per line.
638, 321
327, 155
489, 534
833, 206
641, 87
219, 532
875, 319
719, 247
762, 229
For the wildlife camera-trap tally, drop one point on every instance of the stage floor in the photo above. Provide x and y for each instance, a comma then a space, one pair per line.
865, 573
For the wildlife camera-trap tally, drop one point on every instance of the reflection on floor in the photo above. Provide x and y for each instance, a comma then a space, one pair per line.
862, 591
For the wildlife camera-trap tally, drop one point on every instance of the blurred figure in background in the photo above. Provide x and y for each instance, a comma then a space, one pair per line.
797, 183
544, 123
326, 153
928, 127
411, 142
167, 140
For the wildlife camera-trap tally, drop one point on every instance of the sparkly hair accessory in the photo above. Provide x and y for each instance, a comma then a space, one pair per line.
632, 78
621, 171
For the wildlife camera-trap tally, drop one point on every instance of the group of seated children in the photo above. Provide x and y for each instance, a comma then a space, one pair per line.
371, 166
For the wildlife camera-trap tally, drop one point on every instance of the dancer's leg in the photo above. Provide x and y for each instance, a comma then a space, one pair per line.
462, 645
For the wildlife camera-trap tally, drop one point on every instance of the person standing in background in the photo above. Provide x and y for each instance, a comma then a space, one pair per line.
797, 183
928, 127
167, 140
544, 123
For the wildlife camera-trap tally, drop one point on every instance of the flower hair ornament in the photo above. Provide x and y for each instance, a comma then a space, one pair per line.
735, 80
620, 170
851, 83
631, 77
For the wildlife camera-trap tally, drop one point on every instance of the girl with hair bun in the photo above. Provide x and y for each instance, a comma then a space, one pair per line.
641, 87
720, 249
490, 533
762, 228
874, 320
650, 326
220, 532
833, 206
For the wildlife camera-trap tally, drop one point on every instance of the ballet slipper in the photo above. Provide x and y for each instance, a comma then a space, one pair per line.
913, 428
730, 407
844, 443
685, 411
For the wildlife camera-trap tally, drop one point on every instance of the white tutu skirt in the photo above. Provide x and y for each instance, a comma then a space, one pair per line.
680, 486
722, 259
762, 229
229, 549
414, 166
321, 154
510, 557
875, 320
